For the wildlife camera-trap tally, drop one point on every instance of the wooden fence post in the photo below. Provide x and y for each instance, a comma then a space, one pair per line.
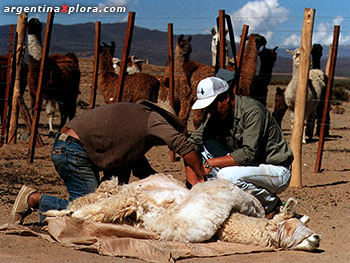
20, 50
36, 118
9, 73
127, 44
222, 42
171, 71
96, 64
299, 110
232, 40
240, 55
333, 56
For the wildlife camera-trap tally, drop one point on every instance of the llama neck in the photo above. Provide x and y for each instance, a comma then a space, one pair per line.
295, 71
107, 78
34, 47
181, 57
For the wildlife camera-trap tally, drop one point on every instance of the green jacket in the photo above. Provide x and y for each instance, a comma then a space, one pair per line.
252, 136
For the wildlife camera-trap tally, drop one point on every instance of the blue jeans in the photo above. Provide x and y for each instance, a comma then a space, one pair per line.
75, 168
264, 181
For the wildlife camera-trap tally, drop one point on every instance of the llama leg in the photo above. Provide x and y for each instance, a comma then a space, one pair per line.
50, 111
291, 119
304, 132
310, 125
64, 110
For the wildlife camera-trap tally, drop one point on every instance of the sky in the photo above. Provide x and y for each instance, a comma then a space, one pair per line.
280, 21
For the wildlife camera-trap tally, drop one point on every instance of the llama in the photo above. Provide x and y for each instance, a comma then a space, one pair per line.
249, 63
280, 106
61, 77
316, 84
4, 80
283, 231
163, 205
134, 65
138, 86
262, 80
187, 75
215, 43
316, 54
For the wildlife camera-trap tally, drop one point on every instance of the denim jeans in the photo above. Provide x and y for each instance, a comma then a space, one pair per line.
75, 168
264, 181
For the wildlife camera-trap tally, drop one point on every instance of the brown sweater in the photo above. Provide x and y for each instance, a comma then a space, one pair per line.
121, 133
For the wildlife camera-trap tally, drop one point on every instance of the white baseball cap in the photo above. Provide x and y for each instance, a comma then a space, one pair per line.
208, 89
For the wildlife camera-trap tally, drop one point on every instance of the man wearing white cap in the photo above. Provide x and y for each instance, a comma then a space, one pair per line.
241, 142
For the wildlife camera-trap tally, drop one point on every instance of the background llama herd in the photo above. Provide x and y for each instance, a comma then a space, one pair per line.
62, 77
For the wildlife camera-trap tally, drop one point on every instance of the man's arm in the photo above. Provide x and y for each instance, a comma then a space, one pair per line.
194, 169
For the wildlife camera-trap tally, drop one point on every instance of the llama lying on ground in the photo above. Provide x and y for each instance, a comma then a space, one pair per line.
61, 77
284, 230
138, 86
163, 205
316, 84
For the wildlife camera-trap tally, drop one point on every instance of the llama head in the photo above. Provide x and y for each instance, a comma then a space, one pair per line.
215, 43
292, 232
296, 55
34, 27
260, 41
316, 50
184, 47
268, 55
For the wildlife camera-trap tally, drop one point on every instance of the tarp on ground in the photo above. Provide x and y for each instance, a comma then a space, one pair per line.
127, 241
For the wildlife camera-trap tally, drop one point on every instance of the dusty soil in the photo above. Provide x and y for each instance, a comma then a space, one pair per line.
324, 196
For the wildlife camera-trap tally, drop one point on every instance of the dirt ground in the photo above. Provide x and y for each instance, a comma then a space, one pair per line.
324, 196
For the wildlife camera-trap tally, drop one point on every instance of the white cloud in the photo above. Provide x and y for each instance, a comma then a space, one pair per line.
113, 3
323, 34
261, 16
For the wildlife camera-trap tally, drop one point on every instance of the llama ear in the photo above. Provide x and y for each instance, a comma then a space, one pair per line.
181, 37
290, 207
213, 31
274, 50
189, 38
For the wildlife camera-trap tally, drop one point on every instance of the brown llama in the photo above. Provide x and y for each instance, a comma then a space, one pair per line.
138, 86
249, 63
262, 80
61, 77
187, 75
280, 107
4, 80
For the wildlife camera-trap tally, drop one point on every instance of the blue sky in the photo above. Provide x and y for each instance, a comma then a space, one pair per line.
280, 21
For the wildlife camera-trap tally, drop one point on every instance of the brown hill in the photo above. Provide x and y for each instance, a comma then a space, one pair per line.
153, 45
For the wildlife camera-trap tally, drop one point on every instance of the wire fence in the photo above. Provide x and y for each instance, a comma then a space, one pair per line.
276, 79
